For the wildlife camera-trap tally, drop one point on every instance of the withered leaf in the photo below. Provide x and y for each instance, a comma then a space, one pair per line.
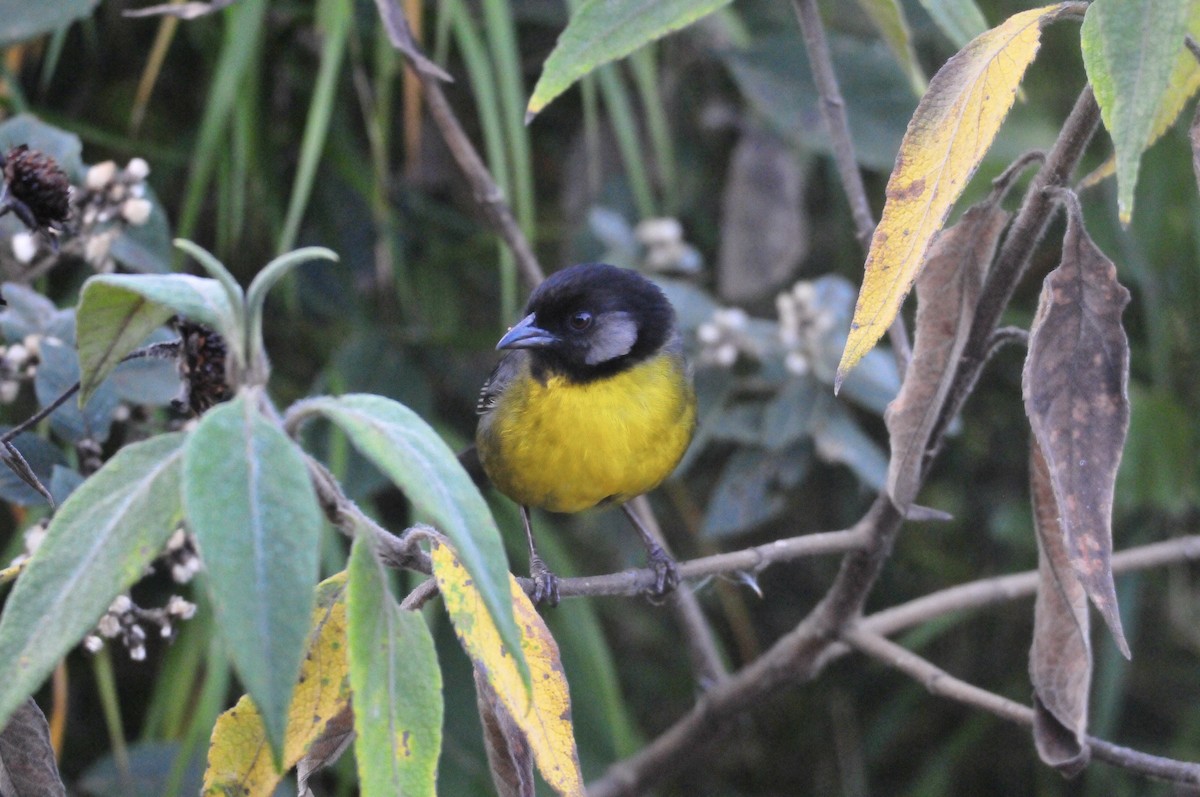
26, 757
764, 226
1075, 385
326, 749
508, 752
1060, 660
947, 292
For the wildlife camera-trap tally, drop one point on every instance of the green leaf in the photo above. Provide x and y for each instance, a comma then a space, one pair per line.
249, 499
256, 294
888, 18
117, 312
396, 682
412, 455
1129, 51
960, 20
98, 544
605, 30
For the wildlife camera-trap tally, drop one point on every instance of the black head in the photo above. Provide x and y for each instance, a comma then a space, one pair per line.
590, 321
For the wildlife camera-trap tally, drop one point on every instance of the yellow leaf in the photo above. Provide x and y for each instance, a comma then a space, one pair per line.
239, 757
950, 132
546, 719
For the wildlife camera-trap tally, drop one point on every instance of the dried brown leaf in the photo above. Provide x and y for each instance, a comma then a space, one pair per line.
509, 755
1060, 660
947, 292
1075, 385
326, 749
26, 758
764, 226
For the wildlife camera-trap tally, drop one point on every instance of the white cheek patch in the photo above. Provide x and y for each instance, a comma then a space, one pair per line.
613, 337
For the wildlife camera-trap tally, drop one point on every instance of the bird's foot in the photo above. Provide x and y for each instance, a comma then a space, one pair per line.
666, 572
545, 583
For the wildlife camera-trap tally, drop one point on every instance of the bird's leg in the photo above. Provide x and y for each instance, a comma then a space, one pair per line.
665, 571
545, 583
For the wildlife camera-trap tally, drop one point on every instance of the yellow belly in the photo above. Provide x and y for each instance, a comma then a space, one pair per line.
566, 447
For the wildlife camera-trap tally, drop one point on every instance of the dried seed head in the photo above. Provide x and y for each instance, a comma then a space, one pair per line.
202, 367
35, 179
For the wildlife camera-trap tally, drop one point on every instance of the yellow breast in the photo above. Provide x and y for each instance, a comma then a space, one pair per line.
566, 447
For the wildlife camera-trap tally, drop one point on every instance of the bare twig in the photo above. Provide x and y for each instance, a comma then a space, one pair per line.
833, 109
1019, 244
487, 192
1192, 45
789, 660
941, 683
396, 552
702, 645
749, 560
423, 593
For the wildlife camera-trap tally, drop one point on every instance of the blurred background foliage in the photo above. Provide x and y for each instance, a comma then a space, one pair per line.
702, 160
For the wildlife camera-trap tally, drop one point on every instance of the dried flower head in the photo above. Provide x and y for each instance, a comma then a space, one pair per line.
37, 189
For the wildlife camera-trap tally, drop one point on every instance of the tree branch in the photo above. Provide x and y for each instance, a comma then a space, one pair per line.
833, 109
749, 560
941, 683
487, 192
1022, 239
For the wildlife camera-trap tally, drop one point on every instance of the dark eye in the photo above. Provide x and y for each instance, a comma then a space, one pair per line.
581, 321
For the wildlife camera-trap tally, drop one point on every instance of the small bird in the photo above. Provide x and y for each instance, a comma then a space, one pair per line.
593, 404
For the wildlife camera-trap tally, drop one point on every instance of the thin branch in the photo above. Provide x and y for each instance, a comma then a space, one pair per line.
702, 645
397, 552
487, 192
790, 660
833, 109
941, 683
749, 560
1192, 45
424, 592
1002, 589
1024, 236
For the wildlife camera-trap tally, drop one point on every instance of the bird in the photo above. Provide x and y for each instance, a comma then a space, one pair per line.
592, 404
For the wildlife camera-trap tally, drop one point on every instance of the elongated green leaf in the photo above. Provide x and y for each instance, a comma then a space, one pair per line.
888, 18
256, 294
1129, 51
605, 30
960, 20
119, 311
249, 500
412, 455
98, 544
396, 682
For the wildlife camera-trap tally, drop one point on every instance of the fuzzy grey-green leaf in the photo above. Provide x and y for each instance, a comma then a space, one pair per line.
248, 498
119, 311
97, 545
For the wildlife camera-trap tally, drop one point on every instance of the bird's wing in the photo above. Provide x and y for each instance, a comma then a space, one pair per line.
506, 370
